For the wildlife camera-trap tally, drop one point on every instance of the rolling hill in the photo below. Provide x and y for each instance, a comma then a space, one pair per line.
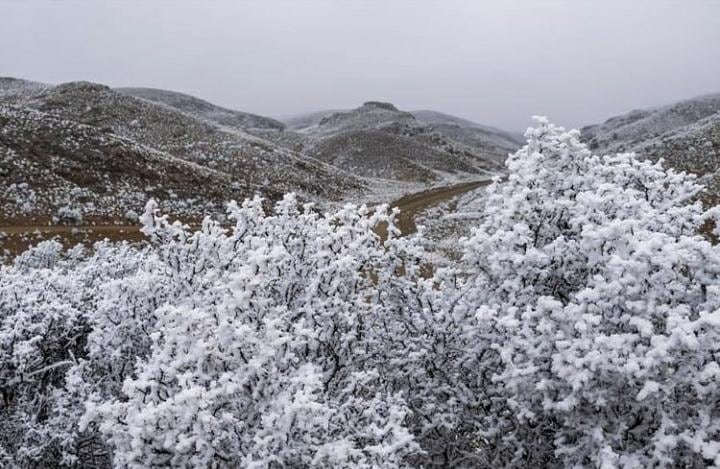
378, 140
80, 136
86, 148
484, 138
50, 166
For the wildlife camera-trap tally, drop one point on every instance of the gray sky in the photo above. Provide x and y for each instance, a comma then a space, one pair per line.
496, 62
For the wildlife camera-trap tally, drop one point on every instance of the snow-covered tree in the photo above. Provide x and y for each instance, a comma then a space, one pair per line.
598, 312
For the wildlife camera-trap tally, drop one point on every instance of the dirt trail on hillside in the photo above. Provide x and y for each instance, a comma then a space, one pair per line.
17, 238
412, 204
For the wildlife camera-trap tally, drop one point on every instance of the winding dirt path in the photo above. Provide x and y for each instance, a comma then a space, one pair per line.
17, 238
412, 204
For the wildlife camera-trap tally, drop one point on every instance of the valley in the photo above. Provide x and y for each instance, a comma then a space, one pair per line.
79, 160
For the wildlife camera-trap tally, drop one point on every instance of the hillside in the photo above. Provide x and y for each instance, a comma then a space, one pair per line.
55, 128
379, 140
102, 153
371, 115
639, 126
204, 110
303, 121
17, 90
56, 168
373, 153
686, 135
472, 134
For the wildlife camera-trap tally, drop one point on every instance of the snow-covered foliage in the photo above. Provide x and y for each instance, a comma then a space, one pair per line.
252, 347
580, 329
600, 311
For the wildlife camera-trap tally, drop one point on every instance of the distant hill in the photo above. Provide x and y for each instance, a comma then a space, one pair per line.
106, 151
303, 121
87, 138
640, 126
372, 153
379, 140
685, 134
487, 139
455, 128
468, 132
371, 115
203, 109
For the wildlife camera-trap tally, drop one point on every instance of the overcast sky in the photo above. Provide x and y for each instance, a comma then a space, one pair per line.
496, 62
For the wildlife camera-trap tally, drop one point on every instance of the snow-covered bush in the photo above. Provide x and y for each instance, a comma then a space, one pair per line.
43, 326
598, 312
255, 356
253, 347
131, 216
22, 196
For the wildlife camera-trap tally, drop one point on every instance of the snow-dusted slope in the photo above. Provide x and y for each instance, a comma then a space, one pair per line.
203, 109
47, 163
303, 121
686, 135
379, 140
324, 161
639, 126
17, 91
371, 115
241, 154
468, 132
249, 164
373, 153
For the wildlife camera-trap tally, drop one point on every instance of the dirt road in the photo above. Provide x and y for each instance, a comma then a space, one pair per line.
18, 238
412, 204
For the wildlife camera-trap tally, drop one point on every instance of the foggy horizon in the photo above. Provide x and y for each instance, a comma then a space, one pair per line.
494, 63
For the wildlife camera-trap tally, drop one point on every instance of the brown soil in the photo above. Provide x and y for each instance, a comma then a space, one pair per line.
18, 238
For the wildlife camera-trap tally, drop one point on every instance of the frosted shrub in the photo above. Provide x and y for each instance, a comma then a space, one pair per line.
600, 320
256, 353
43, 325
248, 347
